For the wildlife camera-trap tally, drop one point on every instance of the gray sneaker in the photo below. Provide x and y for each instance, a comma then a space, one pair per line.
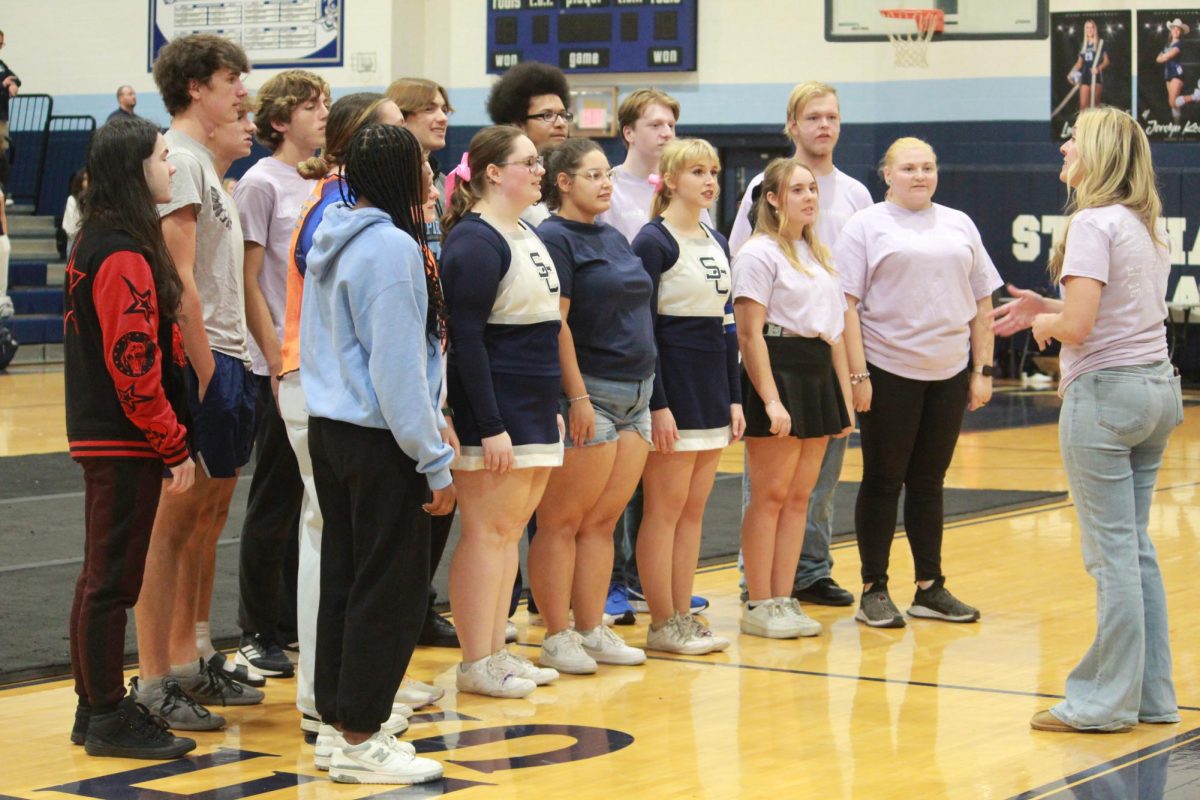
877, 610
169, 701
215, 687
936, 602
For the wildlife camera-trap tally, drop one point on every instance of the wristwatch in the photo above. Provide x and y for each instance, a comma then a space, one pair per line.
983, 369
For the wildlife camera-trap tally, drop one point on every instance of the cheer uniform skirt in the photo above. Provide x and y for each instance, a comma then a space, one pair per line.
698, 395
528, 405
808, 389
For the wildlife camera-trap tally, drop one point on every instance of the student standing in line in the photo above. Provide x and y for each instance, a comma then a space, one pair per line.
502, 295
694, 411
125, 402
919, 285
1121, 400
790, 315
371, 352
200, 79
606, 352
291, 112
814, 125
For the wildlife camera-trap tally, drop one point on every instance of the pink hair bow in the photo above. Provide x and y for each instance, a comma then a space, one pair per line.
655, 180
461, 172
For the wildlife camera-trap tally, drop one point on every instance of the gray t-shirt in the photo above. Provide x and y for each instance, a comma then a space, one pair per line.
218, 270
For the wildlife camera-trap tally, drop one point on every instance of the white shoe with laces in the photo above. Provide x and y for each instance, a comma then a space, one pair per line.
606, 647
677, 635
525, 668
807, 625
704, 633
329, 738
564, 652
492, 677
417, 695
769, 619
380, 759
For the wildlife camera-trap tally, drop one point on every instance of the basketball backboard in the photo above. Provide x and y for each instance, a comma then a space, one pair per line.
860, 21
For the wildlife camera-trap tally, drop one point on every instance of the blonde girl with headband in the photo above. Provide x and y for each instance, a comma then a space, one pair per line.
503, 385
918, 284
1121, 400
695, 409
790, 315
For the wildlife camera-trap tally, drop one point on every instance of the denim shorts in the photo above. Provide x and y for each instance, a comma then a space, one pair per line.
619, 406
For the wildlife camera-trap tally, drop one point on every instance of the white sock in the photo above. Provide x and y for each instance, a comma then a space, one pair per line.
204, 641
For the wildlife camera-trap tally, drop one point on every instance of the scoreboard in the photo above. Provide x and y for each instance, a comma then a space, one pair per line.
593, 35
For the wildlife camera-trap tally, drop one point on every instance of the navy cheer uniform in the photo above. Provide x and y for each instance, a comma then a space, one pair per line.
1172, 69
502, 299
697, 372
1088, 56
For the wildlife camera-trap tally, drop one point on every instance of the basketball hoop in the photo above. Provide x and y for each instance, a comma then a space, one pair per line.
912, 47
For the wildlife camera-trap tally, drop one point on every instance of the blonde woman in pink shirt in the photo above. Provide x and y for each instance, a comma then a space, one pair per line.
919, 285
1121, 400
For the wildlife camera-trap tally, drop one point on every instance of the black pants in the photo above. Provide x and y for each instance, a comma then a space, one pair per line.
374, 570
272, 525
908, 439
120, 499
439, 534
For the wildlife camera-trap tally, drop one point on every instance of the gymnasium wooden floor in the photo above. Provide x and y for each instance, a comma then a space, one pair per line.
929, 711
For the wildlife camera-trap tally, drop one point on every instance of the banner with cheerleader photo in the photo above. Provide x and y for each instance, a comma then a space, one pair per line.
1168, 103
1091, 64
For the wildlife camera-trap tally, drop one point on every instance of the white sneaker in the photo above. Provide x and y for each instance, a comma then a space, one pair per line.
606, 647
564, 652
436, 692
525, 668
380, 759
416, 694
397, 722
769, 619
329, 738
677, 636
510, 632
492, 677
1037, 381
705, 634
808, 625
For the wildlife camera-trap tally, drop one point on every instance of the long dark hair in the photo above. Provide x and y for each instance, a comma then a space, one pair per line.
383, 164
118, 197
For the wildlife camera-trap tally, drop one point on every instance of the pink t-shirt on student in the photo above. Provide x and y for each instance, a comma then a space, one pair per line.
918, 275
810, 305
840, 197
1111, 245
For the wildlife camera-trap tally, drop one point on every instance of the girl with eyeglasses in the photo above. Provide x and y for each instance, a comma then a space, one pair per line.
607, 356
503, 379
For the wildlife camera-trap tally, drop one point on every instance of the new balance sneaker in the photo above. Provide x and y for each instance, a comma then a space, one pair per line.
936, 602
704, 633
807, 625
380, 759
876, 608
239, 672
397, 721
618, 606
309, 723
214, 687
564, 652
133, 732
677, 635
769, 619
329, 738
525, 668
83, 715
167, 699
264, 656
492, 677
605, 647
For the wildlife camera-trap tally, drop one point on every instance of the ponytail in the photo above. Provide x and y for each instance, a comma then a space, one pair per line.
488, 146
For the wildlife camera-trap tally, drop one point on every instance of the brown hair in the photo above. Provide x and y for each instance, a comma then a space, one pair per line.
279, 97
770, 221
489, 146
413, 94
194, 58
346, 116
635, 105
566, 157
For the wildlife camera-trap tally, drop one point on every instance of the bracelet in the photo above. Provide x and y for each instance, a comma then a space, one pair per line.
859, 377
577, 399
447, 412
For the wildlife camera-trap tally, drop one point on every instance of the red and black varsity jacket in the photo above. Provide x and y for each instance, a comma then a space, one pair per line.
124, 364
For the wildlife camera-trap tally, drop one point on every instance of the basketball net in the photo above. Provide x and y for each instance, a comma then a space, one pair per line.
911, 48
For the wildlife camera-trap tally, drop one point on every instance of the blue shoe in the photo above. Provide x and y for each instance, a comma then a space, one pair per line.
698, 604
637, 600
617, 605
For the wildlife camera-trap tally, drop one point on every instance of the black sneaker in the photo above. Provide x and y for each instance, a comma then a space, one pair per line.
824, 592
936, 602
437, 631
876, 608
133, 732
238, 672
261, 654
214, 687
79, 730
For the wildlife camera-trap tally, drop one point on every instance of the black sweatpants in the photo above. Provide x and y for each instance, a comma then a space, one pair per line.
120, 499
272, 525
374, 570
908, 439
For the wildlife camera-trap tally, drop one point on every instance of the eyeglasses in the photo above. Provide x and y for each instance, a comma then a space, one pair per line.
548, 117
533, 163
594, 175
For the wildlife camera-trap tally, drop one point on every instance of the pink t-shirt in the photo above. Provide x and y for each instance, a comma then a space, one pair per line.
268, 199
809, 305
918, 275
840, 197
1113, 246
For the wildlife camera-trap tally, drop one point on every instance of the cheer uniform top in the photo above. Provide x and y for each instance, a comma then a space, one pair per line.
502, 302
697, 371
1172, 69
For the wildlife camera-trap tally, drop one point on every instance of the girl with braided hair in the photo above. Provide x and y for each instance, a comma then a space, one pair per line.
371, 368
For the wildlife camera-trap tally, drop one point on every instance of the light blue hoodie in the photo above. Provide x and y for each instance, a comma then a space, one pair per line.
365, 357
